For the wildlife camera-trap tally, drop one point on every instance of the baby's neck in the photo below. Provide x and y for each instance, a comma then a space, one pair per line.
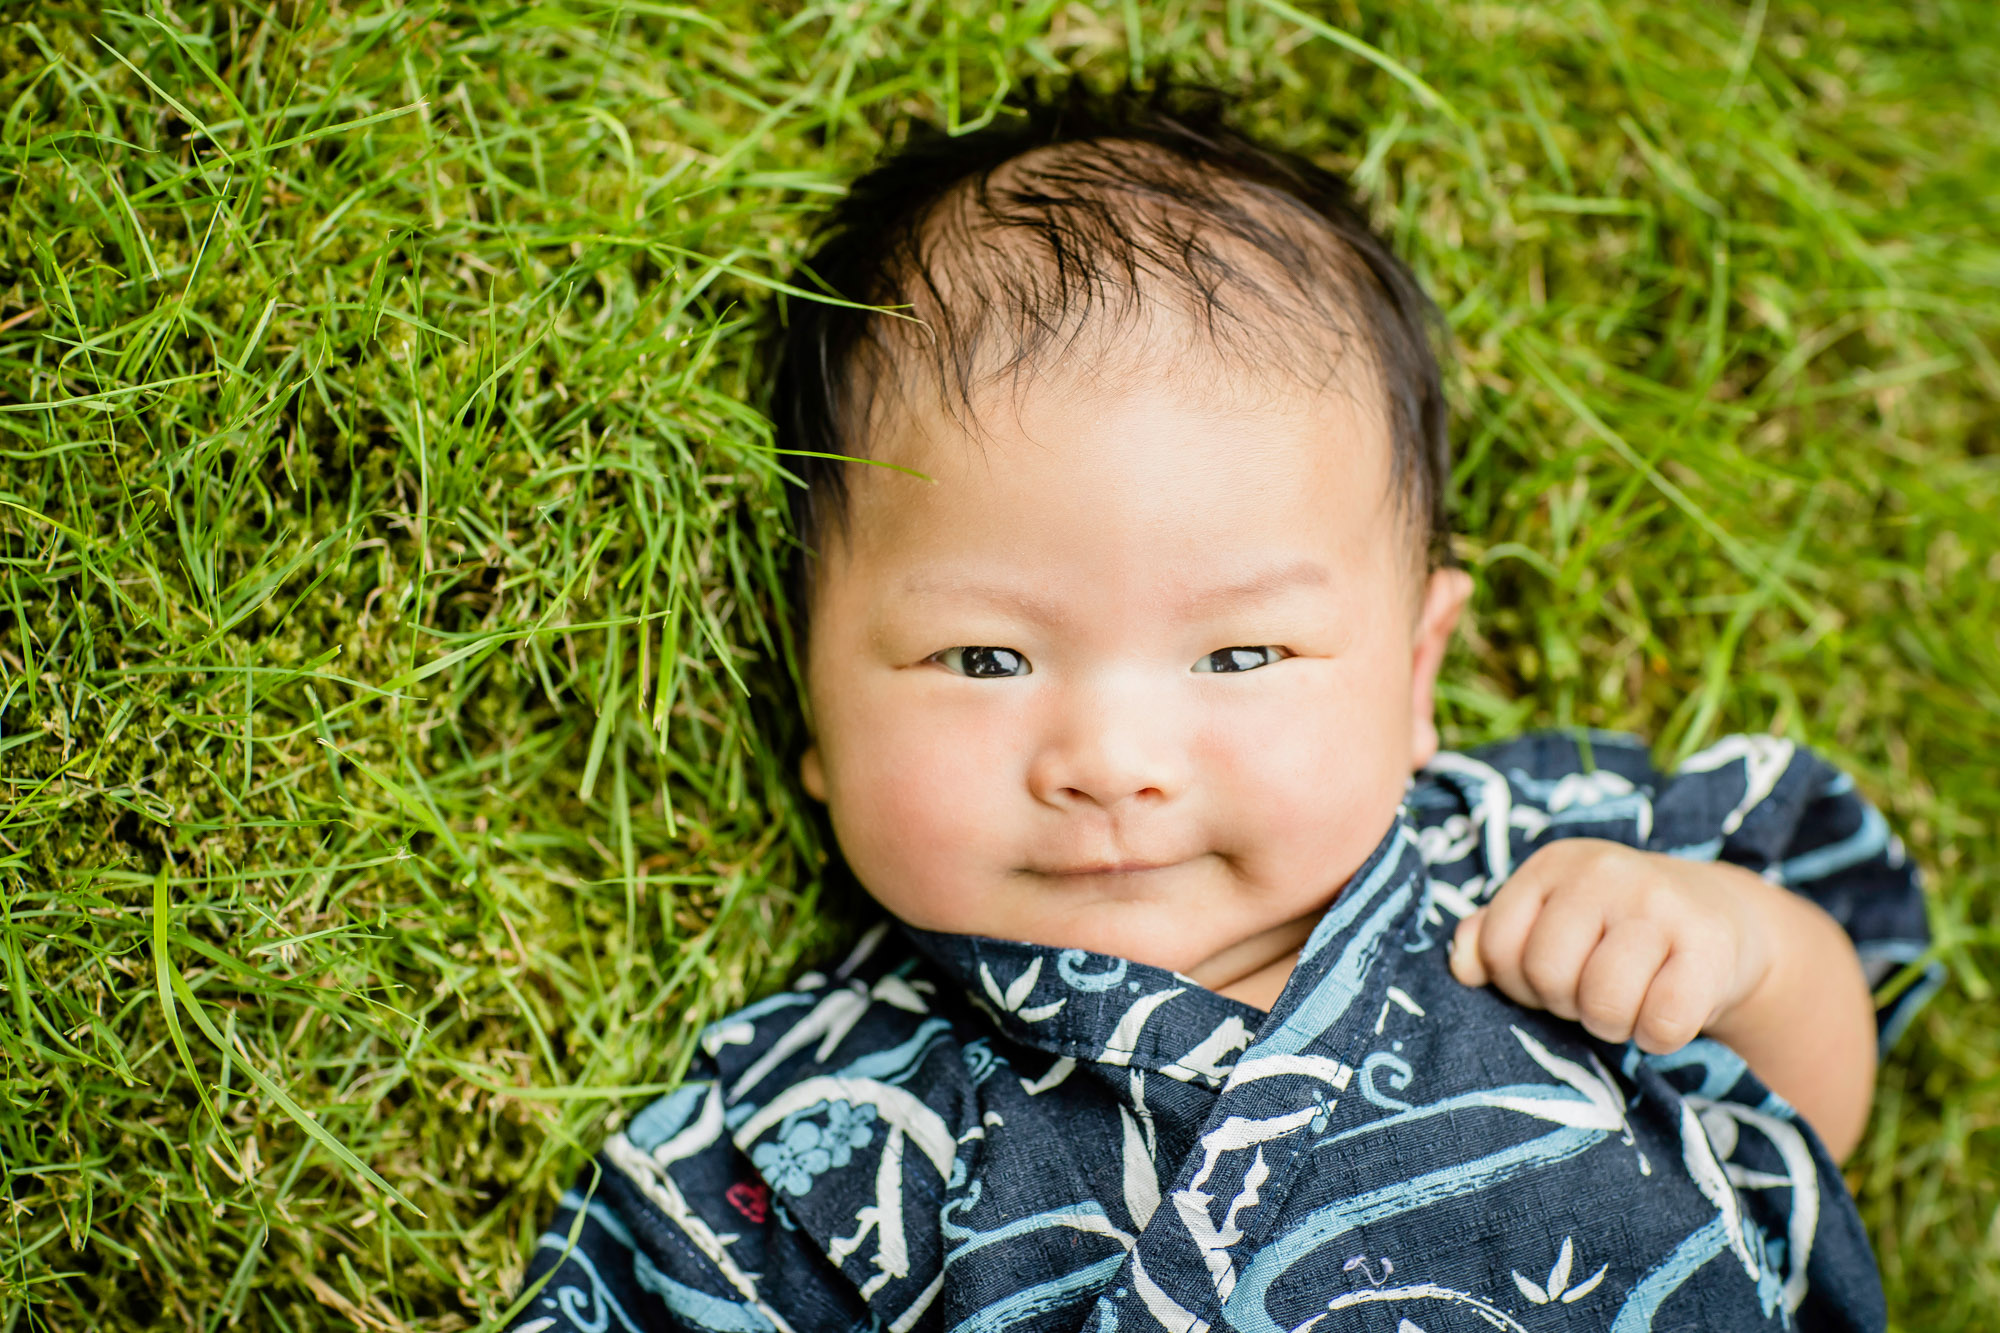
1254, 971
1261, 989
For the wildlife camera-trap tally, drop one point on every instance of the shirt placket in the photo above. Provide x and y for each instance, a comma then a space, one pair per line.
1281, 1094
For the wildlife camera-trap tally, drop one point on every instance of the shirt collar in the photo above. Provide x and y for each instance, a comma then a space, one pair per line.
1117, 1011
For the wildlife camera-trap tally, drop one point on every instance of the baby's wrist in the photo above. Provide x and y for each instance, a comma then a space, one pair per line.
1776, 935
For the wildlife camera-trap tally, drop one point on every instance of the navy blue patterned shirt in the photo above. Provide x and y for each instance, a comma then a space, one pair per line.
960, 1133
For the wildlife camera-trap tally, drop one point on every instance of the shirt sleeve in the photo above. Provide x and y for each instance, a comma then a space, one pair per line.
673, 1229
1773, 807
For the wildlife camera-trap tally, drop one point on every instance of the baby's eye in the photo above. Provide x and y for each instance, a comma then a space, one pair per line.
1241, 659
985, 663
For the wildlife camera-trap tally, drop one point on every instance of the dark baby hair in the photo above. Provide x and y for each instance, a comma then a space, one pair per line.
1147, 197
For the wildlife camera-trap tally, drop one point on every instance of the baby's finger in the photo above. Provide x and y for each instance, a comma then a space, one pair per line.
1613, 988
1466, 964
1503, 934
1678, 1004
1565, 935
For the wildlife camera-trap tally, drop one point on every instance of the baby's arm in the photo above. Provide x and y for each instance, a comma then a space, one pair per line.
1650, 948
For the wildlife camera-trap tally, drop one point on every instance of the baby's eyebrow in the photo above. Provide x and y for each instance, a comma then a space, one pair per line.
1258, 587
1019, 601
1261, 586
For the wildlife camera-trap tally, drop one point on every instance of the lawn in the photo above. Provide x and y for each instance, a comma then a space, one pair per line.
395, 691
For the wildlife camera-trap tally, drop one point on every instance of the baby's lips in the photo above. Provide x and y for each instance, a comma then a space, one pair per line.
1077, 866
1109, 868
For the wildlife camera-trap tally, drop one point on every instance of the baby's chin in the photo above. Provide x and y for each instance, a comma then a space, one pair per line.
1212, 939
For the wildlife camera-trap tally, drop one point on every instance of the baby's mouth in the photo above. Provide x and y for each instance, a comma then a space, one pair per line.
1097, 868
1107, 870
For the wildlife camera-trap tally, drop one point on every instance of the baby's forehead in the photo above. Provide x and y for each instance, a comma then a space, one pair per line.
1109, 512
1058, 406
1162, 451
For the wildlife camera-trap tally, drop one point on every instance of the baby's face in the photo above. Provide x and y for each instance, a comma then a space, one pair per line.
1142, 669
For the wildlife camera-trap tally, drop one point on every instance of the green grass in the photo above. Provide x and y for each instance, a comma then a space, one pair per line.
393, 685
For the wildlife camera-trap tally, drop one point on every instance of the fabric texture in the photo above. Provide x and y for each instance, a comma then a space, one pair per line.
960, 1133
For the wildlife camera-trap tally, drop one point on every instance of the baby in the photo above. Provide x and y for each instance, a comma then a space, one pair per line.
1225, 1004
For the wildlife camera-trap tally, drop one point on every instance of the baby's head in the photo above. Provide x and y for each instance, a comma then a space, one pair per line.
1143, 660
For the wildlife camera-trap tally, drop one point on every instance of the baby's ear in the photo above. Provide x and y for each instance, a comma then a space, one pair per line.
1445, 594
813, 774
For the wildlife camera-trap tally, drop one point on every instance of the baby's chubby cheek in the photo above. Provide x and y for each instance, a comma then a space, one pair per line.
926, 814
1309, 795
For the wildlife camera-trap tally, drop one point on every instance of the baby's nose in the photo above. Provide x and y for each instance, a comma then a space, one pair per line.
1110, 745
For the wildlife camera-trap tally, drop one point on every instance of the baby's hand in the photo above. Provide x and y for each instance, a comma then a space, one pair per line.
1632, 944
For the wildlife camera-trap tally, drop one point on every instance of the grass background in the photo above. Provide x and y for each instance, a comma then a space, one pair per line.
393, 691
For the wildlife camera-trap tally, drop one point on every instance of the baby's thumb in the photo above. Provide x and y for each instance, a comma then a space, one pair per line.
1466, 964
